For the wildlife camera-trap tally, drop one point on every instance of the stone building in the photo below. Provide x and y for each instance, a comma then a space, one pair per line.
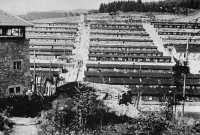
14, 55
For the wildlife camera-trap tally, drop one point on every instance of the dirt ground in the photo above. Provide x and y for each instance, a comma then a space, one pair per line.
23, 126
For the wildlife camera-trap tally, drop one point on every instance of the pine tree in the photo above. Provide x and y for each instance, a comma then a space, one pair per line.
170, 6
101, 8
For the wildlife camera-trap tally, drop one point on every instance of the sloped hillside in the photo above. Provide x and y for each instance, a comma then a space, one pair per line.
109, 94
194, 17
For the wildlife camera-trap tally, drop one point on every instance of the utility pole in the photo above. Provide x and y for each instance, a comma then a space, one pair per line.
139, 65
188, 8
184, 79
183, 108
175, 107
40, 78
50, 70
34, 89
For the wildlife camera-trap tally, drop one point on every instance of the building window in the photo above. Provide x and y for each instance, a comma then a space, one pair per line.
17, 89
92, 58
17, 65
129, 59
11, 91
120, 59
104, 58
147, 59
14, 32
112, 59
1, 32
150, 98
14, 89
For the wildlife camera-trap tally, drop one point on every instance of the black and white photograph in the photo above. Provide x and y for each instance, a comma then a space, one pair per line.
99, 67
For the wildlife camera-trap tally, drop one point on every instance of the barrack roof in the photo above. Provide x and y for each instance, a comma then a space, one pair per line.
7, 19
191, 48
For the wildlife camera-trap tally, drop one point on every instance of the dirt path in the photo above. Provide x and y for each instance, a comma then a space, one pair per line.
24, 126
81, 56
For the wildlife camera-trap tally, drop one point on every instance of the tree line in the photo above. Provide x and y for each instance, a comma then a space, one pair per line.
170, 6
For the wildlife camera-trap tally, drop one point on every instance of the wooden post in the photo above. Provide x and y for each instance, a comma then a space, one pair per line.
183, 105
40, 79
186, 53
36, 84
175, 107
188, 9
34, 90
184, 79
139, 65
50, 70
135, 101
138, 100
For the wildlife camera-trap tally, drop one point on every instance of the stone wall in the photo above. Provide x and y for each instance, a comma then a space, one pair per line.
11, 50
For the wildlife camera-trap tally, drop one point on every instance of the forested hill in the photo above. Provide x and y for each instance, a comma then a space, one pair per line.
170, 6
45, 15
55, 14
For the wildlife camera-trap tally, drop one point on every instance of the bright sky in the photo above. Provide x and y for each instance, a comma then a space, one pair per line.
24, 6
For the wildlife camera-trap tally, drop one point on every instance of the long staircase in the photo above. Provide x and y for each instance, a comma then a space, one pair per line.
156, 38
81, 55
